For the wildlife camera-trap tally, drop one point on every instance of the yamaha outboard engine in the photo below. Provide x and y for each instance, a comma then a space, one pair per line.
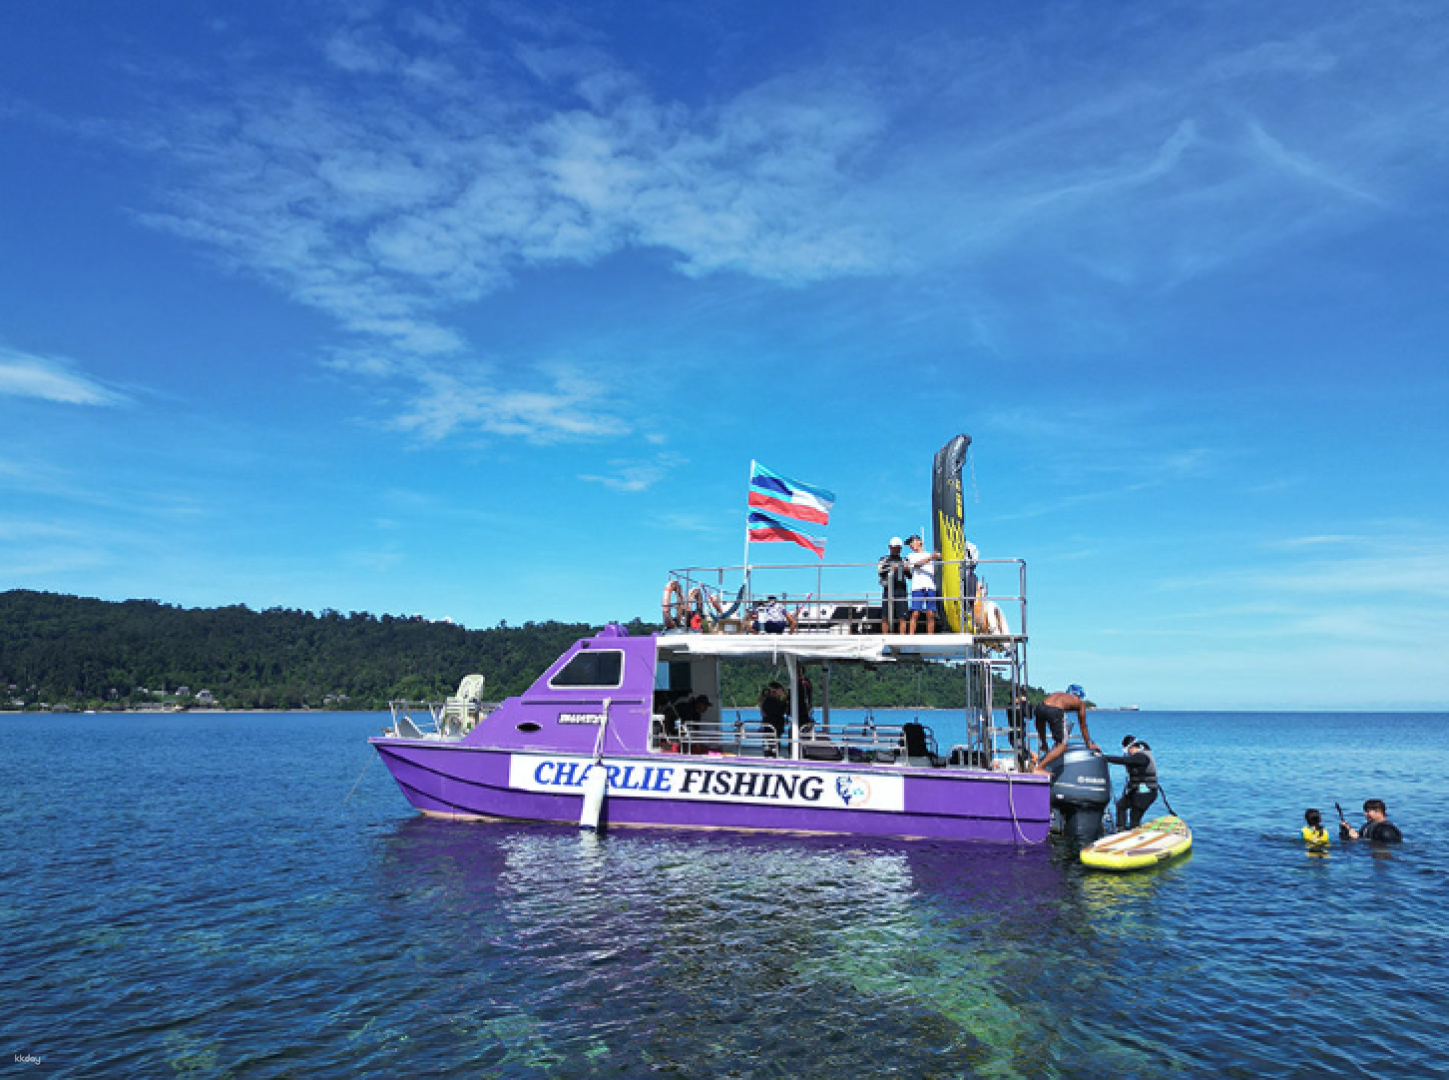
1081, 790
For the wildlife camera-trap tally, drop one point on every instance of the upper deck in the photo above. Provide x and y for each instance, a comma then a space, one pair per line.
837, 612
845, 599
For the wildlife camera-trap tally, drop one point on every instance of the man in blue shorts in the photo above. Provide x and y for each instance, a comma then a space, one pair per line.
923, 583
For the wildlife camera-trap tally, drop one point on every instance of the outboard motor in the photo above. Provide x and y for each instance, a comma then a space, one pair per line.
1081, 790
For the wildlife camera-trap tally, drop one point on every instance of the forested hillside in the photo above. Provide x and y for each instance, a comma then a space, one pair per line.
93, 653
87, 654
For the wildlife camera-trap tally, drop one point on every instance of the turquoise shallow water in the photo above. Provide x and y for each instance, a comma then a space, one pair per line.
219, 896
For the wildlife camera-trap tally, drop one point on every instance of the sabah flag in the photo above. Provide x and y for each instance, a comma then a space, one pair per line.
765, 527
789, 498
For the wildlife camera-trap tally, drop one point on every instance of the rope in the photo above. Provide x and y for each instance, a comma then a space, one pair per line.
1165, 803
370, 759
1015, 819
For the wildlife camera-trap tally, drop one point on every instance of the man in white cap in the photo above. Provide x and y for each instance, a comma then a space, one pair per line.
895, 594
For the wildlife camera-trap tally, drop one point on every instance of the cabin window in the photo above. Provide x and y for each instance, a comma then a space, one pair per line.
603, 669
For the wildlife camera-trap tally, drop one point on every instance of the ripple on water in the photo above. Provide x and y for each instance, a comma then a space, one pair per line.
174, 913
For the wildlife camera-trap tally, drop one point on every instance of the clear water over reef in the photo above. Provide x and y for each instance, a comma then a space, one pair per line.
222, 896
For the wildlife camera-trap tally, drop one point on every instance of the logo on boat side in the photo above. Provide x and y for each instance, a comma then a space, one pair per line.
853, 790
581, 718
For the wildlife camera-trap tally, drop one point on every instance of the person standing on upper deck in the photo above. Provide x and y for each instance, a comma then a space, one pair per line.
895, 593
923, 583
1051, 712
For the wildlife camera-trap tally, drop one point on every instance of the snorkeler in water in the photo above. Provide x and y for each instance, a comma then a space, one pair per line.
1376, 825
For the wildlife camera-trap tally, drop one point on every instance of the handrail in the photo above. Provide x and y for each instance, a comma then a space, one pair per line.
844, 605
442, 721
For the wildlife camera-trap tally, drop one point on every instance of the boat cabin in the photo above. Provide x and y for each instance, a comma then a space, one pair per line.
616, 694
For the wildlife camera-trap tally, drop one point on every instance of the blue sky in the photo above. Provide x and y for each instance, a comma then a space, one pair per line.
481, 311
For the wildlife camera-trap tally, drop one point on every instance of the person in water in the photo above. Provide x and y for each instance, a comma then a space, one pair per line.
1376, 827
1313, 831
1140, 790
1051, 714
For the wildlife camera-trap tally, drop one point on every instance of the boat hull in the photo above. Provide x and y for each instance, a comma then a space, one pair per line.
680, 791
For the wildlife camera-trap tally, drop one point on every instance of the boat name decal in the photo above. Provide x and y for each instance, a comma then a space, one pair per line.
580, 718
714, 783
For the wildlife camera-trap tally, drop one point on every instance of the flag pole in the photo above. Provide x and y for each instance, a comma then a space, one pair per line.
746, 562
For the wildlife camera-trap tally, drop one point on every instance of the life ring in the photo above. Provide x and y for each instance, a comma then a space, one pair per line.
672, 605
988, 616
990, 620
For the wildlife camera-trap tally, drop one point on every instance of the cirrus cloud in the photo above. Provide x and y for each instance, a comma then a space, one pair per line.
52, 379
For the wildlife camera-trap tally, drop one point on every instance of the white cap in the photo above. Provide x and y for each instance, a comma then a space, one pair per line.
896, 541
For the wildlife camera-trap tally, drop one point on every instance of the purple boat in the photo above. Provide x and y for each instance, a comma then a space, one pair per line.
614, 732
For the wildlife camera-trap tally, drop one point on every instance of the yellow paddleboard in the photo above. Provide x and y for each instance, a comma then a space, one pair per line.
1150, 843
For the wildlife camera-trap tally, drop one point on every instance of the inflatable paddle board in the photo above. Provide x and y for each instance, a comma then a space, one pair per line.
1149, 844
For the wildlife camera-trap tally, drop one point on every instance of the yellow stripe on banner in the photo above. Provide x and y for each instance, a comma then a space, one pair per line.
953, 549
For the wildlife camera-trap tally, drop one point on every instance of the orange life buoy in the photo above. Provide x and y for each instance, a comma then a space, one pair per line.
987, 615
672, 605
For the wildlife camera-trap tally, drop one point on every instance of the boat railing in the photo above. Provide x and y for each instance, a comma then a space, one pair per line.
840, 597
862, 743
880, 744
444, 720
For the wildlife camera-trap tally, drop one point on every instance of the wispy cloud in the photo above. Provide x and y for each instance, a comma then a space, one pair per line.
393, 200
565, 403
52, 379
1327, 573
627, 475
417, 170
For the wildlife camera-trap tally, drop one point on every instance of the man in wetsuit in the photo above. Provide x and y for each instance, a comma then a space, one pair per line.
1051, 714
1140, 790
1376, 827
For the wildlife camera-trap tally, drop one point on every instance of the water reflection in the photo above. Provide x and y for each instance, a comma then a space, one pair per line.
699, 952
196, 896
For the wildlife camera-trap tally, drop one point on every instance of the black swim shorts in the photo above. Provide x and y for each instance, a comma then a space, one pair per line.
1054, 718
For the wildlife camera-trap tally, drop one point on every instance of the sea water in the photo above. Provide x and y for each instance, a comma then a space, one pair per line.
249, 896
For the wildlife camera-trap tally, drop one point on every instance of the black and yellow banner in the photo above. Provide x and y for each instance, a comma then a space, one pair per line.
956, 579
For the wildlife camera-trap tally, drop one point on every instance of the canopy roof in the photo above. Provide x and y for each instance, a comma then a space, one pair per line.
868, 648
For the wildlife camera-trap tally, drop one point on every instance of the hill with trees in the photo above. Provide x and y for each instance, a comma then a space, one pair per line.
79, 653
